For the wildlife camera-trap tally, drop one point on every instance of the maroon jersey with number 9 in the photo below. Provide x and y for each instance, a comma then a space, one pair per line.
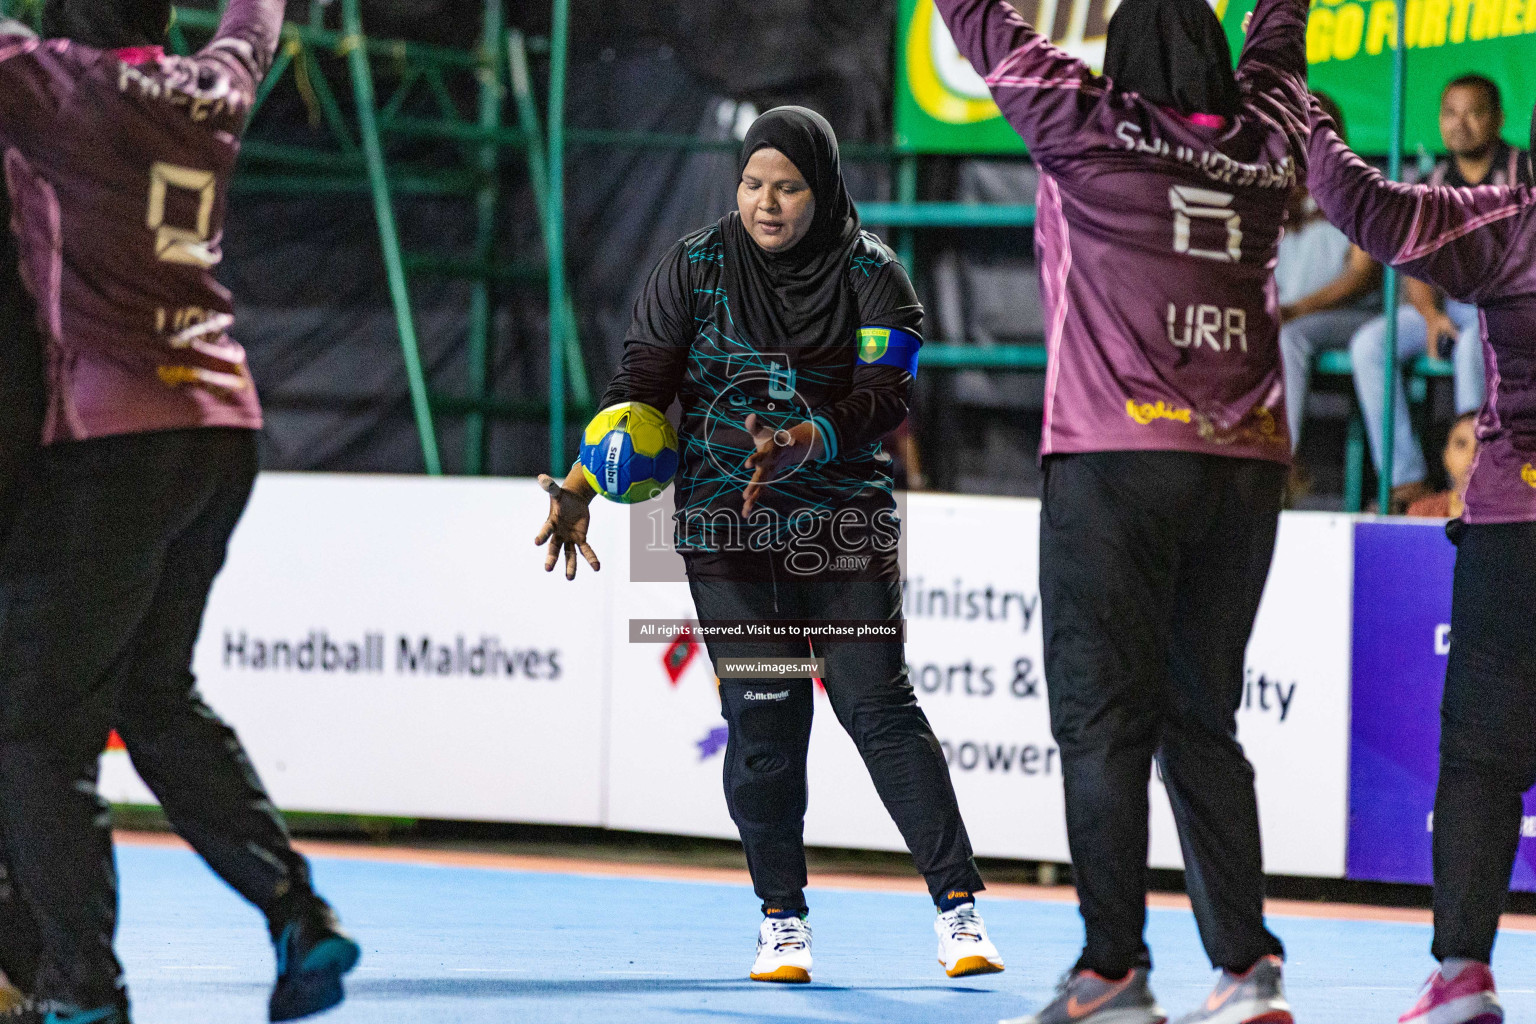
118, 165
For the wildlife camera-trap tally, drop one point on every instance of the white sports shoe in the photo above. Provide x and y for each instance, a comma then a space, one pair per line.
783, 951
963, 944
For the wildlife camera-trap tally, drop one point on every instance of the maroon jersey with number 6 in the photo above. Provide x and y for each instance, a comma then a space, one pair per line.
1157, 236
118, 165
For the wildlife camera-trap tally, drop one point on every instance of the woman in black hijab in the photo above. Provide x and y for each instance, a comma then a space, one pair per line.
789, 338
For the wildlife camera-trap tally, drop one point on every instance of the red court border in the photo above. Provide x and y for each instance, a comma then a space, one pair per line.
734, 876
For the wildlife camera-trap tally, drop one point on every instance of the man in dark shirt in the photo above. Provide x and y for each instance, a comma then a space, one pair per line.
1471, 120
117, 163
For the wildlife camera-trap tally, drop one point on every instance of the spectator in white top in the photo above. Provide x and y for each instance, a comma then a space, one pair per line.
1471, 120
1322, 281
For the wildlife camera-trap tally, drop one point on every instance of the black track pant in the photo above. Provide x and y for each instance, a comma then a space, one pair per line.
770, 722
102, 587
1487, 734
20, 941
1151, 569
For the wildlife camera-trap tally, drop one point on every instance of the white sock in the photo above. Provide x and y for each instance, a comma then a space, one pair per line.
1451, 967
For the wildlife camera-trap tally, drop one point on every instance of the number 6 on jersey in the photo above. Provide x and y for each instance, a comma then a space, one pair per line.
1190, 204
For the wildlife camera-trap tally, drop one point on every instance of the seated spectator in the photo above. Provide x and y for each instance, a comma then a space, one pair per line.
1460, 450
1321, 280
1471, 118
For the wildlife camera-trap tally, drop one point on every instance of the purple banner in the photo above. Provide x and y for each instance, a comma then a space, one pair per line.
1402, 617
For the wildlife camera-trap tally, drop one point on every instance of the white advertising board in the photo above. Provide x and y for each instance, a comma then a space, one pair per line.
975, 651
391, 645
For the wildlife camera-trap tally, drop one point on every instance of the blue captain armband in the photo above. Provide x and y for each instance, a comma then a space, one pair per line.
889, 346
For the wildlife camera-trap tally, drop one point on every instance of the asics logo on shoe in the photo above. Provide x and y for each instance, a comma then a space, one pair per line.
1075, 1009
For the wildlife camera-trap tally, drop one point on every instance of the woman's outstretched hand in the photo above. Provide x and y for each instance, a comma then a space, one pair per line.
569, 516
777, 451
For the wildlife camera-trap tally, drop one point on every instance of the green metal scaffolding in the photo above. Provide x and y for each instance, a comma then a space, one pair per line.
356, 162
500, 68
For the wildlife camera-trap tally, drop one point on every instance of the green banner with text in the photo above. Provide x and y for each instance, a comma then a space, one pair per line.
942, 105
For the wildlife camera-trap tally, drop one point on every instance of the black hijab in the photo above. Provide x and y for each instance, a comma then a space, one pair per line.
107, 24
798, 297
1174, 53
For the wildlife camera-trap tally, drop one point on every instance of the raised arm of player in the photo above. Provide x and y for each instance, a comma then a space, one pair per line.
1041, 89
1037, 86
246, 42
1455, 238
1273, 67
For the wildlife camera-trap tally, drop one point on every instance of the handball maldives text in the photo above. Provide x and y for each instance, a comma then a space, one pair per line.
415, 654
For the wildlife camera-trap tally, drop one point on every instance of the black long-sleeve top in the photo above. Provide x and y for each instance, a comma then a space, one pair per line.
684, 343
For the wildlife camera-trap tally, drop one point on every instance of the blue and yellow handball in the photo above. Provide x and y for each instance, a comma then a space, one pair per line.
629, 453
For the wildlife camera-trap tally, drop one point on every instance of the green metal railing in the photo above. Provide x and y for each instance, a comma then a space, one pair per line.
389, 233
360, 165
482, 300
1033, 359
559, 47
907, 215
1395, 172
356, 162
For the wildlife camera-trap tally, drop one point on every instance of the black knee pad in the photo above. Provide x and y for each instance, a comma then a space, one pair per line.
770, 731
768, 795
769, 783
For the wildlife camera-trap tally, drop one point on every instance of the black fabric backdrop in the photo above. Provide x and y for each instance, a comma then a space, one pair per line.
308, 273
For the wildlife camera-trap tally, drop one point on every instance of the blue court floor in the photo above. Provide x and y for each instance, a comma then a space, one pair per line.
456, 944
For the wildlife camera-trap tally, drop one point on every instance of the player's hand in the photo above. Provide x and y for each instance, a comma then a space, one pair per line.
1442, 334
566, 528
777, 451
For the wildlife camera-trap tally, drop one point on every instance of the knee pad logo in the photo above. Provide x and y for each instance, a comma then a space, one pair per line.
755, 695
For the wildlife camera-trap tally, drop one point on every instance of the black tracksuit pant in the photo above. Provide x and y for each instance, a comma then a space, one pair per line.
103, 582
1151, 569
770, 721
1487, 734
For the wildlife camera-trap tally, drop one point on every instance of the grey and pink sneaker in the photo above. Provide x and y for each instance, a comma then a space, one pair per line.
1469, 999
1256, 997
1084, 997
